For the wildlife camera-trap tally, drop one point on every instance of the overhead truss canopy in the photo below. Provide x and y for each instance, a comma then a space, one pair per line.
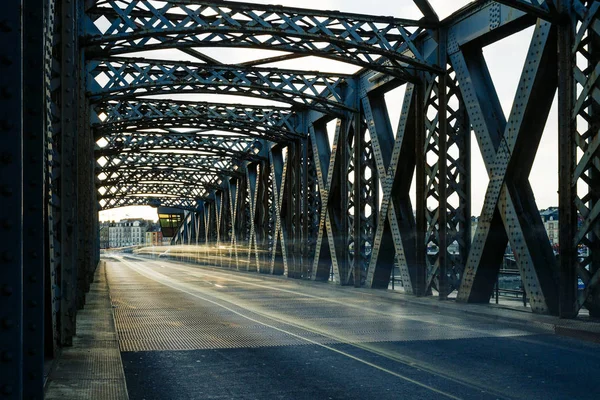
379, 43
127, 78
277, 123
313, 144
309, 173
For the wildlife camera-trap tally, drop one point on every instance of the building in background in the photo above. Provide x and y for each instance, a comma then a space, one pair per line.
550, 220
128, 232
154, 236
104, 234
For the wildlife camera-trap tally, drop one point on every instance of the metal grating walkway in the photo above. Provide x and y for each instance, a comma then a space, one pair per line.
160, 305
192, 332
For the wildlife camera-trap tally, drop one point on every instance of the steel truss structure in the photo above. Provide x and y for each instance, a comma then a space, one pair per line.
309, 179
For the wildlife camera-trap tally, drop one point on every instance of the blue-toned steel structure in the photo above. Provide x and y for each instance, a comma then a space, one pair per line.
90, 121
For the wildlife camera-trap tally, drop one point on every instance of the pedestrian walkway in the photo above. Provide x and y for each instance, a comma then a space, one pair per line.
91, 368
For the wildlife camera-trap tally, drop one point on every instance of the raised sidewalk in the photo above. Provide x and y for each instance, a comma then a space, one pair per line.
92, 367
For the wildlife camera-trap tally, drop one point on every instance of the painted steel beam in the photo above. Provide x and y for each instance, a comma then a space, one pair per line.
331, 163
395, 160
150, 190
509, 212
578, 159
125, 78
379, 43
240, 147
279, 253
116, 116
544, 9
174, 202
11, 183
150, 160
35, 82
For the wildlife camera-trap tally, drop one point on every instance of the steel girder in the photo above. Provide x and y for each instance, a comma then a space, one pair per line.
545, 9
346, 180
126, 78
579, 167
172, 160
11, 140
395, 159
240, 147
509, 212
274, 122
183, 203
153, 189
378, 43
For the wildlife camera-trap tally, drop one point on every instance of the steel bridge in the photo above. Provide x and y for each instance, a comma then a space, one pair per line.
94, 117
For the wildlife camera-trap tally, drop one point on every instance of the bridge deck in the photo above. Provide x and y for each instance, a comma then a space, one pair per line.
192, 332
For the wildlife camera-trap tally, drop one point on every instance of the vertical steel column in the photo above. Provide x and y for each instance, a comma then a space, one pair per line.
68, 170
313, 208
233, 209
279, 265
567, 160
442, 169
34, 156
252, 178
358, 202
585, 182
420, 271
11, 192
263, 216
305, 212
297, 196
52, 239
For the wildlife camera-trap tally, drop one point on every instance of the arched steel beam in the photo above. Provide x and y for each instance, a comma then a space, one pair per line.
118, 113
137, 176
385, 44
247, 128
150, 190
197, 176
148, 160
175, 202
127, 78
240, 147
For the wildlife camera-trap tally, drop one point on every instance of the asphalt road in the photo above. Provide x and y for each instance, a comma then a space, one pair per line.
188, 332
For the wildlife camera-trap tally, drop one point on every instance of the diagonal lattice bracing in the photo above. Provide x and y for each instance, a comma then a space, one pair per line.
167, 189
331, 163
274, 122
445, 188
508, 148
126, 78
395, 162
379, 43
579, 162
176, 202
240, 147
279, 254
183, 162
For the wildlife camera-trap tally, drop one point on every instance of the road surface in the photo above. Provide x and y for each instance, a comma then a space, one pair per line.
189, 332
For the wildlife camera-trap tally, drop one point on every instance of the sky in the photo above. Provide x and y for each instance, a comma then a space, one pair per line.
505, 61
